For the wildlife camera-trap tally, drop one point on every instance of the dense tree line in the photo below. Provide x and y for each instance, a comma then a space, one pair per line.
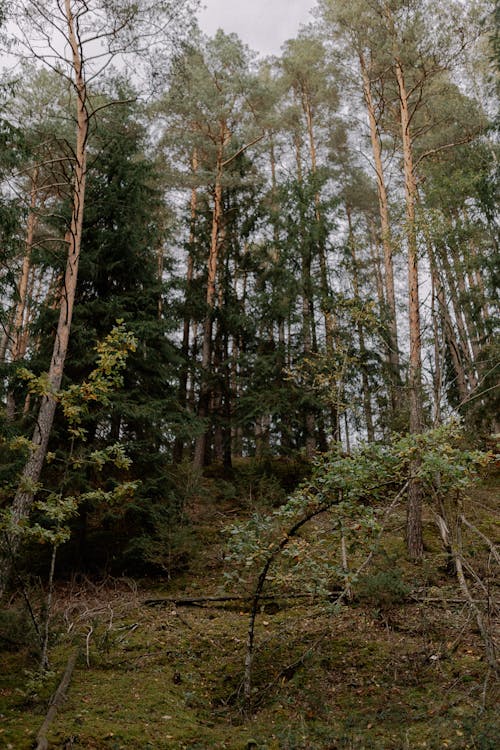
305, 248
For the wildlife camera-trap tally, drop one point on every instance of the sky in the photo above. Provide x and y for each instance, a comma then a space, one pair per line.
262, 24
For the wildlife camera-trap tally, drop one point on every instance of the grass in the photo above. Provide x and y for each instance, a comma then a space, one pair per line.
382, 673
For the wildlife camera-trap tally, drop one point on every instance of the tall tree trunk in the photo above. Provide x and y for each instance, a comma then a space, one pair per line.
307, 317
324, 285
437, 377
184, 374
217, 393
4, 343
414, 511
463, 338
24, 497
383, 204
470, 319
206, 352
367, 406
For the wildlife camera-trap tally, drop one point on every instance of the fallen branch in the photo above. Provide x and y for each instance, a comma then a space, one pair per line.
489, 644
57, 700
493, 547
443, 601
199, 601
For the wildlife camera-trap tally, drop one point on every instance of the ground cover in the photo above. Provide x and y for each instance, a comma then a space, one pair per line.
400, 665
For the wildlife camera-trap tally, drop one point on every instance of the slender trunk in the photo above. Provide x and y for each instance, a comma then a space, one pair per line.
442, 312
307, 317
25, 273
24, 497
227, 405
470, 319
383, 204
217, 394
237, 430
184, 374
375, 256
4, 343
476, 293
191, 390
453, 345
476, 281
437, 378
206, 352
414, 512
281, 359
367, 406
460, 323
324, 285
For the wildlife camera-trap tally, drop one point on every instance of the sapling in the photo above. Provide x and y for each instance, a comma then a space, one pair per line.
357, 494
55, 509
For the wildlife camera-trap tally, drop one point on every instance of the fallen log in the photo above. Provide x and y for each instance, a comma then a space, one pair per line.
56, 702
199, 601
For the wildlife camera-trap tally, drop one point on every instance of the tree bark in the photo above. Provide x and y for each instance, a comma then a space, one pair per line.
206, 352
414, 539
367, 406
306, 292
383, 204
183, 379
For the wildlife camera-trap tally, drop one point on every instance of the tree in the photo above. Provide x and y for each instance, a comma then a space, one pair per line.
364, 42
77, 30
215, 101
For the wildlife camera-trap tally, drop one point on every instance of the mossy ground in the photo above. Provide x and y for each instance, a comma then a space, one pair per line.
380, 673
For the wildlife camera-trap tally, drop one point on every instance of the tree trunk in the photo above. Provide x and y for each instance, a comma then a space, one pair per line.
184, 374
367, 406
24, 497
206, 352
306, 291
324, 285
383, 204
414, 513
447, 324
466, 353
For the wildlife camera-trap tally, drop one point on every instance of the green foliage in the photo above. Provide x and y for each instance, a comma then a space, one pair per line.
352, 492
37, 684
55, 509
103, 381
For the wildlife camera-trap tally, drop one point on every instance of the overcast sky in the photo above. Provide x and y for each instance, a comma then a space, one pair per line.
262, 24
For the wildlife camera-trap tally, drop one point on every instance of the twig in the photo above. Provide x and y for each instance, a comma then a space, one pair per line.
87, 645
489, 645
443, 601
45, 645
493, 547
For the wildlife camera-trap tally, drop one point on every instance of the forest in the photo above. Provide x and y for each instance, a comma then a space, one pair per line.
249, 369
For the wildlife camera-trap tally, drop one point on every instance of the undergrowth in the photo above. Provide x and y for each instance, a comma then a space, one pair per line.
400, 664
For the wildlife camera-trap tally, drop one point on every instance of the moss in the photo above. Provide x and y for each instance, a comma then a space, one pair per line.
170, 679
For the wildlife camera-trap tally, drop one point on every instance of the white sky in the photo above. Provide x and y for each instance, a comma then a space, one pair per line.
262, 24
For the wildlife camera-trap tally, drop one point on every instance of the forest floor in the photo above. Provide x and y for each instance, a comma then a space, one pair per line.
381, 672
